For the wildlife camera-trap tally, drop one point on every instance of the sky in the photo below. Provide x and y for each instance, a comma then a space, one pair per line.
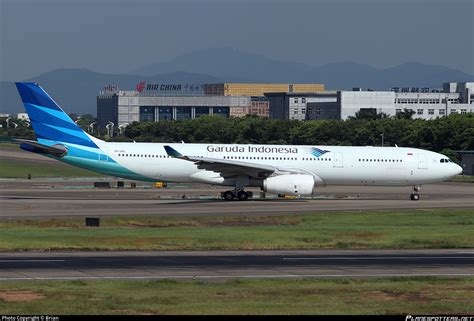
37, 36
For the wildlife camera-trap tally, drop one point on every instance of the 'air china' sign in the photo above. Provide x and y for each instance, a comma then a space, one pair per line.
169, 88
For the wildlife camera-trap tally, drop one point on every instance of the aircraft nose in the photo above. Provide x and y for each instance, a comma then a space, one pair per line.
458, 169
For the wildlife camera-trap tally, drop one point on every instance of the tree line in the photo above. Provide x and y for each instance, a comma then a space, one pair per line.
454, 131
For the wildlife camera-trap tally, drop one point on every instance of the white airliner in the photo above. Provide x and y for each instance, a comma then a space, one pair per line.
281, 169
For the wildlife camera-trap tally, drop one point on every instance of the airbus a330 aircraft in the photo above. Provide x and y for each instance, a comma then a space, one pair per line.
281, 169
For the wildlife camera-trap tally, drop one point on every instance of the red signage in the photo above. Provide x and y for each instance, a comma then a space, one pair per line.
141, 86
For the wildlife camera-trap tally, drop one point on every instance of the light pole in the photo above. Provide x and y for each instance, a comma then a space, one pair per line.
110, 129
91, 127
382, 138
120, 127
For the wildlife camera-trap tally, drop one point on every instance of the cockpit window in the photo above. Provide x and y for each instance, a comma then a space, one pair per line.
445, 160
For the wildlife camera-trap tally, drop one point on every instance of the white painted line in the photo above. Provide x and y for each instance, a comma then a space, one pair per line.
33, 260
378, 258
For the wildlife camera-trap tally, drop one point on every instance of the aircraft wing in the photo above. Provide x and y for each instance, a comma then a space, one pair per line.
225, 167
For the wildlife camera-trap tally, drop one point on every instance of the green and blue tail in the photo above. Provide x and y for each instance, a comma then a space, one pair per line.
59, 137
50, 123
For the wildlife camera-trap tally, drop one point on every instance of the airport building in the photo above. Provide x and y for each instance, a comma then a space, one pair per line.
155, 102
291, 105
19, 116
124, 107
23, 116
258, 90
425, 102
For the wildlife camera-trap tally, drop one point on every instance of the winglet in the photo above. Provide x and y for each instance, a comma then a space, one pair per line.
172, 152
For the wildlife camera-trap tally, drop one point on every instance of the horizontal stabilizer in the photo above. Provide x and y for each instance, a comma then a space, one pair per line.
35, 147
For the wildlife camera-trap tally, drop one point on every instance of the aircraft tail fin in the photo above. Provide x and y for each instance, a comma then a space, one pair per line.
50, 123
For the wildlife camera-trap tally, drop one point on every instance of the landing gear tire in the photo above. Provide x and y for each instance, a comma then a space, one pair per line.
415, 196
242, 196
228, 195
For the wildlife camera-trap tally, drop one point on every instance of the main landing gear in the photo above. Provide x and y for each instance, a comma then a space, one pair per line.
414, 195
240, 195
240, 182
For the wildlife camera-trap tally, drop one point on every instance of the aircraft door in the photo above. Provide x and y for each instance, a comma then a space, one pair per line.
422, 164
338, 160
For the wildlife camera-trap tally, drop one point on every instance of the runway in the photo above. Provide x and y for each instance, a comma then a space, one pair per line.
217, 265
62, 198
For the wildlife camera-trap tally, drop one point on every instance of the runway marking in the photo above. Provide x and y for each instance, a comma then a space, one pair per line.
378, 258
32, 260
277, 276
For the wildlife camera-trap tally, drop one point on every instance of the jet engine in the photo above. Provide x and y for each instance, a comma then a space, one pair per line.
291, 184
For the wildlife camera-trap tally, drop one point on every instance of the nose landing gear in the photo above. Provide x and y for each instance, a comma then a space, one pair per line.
414, 195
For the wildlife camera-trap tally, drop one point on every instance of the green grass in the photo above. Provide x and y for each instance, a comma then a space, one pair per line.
9, 146
420, 229
420, 295
20, 168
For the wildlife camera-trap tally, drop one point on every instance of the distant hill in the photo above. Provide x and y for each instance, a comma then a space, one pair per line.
234, 65
76, 89
349, 75
231, 65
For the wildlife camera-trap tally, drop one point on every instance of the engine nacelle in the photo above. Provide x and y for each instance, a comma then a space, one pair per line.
294, 184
